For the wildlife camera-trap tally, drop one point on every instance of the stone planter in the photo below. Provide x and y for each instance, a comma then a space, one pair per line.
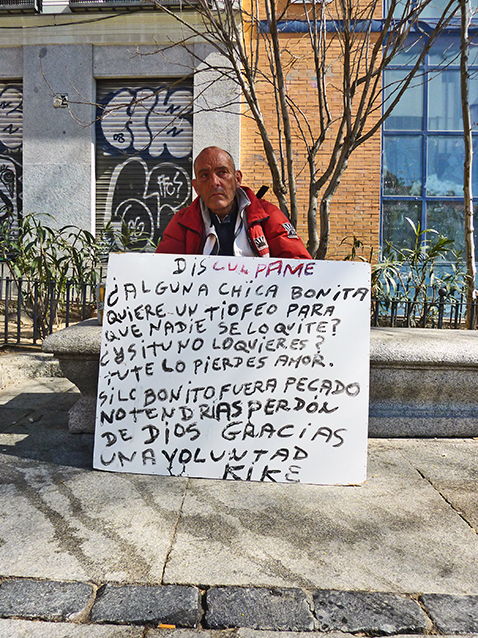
423, 383
77, 349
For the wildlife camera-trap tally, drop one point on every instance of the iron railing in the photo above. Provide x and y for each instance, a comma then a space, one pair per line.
27, 6
437, 309
29, 310
26, 317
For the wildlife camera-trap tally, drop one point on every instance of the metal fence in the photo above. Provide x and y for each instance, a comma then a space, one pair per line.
438, 309
30, 310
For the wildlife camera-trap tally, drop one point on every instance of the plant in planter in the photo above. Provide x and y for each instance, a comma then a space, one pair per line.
44, 262
50, 265
418, 277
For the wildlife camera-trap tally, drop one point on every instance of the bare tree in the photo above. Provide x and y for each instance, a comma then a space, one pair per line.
350, 38
465, 13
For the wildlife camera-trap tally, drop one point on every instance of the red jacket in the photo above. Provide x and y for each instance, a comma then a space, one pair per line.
269, 232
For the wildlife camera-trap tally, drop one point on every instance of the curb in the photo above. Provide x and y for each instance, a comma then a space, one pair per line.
255, 608
26, 365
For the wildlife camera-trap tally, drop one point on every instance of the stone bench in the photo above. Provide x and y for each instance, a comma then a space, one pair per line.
423, 383
77, 349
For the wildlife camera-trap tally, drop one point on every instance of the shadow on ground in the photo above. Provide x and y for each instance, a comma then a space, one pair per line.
34, 424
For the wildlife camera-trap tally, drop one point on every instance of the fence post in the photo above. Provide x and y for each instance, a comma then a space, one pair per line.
441, 307
425, 314
83, 301
67, 313
393, 309
7, 294
472, 315
19, 309
409, 313
376, 308
35, 312
51, 296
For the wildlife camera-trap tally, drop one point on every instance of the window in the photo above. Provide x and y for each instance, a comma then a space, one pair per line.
108, 5
423, 148
432, 11
11, 137
21, 6
143, 155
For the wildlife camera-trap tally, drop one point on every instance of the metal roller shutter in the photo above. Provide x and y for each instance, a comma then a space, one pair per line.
143, 156
11, 138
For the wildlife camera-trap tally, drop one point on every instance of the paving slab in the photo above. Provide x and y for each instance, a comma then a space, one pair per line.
451, 467
59, 519
61, 522
33, 418
29, 629
243, 632
410, 529
28, 400
396, 533
37, 393
32, 629
18, 366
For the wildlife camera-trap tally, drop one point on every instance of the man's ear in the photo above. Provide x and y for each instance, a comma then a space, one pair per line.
193, 182
239, 177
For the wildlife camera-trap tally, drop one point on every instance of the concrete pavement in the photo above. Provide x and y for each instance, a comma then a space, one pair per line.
93, 554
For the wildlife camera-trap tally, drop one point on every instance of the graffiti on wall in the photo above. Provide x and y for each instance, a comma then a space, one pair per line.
10, 189
11, 135
145, 136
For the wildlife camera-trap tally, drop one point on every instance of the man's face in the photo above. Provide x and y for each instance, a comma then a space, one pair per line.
216, 181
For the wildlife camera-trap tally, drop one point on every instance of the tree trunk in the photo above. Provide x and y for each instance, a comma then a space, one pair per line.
313, 243
467, 171
324, 228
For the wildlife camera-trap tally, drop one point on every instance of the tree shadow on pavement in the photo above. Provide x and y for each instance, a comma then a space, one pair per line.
34, 425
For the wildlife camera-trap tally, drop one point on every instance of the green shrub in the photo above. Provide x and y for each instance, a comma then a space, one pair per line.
44, 260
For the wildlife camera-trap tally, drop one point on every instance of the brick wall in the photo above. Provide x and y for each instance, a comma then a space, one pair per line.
355, 207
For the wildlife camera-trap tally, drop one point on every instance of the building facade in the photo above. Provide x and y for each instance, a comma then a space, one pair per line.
97, 127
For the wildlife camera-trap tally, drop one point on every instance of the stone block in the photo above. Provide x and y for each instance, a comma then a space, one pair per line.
423, 383
453, 614
45, 600
78, 350
139, 604
279, 609
370, 613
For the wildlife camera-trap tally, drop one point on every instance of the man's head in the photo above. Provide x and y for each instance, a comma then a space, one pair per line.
216, 179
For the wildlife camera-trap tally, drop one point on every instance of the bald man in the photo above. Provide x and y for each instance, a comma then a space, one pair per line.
227, 218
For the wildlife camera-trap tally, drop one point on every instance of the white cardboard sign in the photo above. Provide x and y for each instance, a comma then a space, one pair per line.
235, 368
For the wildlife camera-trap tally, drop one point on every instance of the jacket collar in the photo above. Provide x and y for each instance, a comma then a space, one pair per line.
198, 217
255, 211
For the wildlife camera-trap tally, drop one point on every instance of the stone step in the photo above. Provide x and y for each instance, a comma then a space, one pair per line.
16, 366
